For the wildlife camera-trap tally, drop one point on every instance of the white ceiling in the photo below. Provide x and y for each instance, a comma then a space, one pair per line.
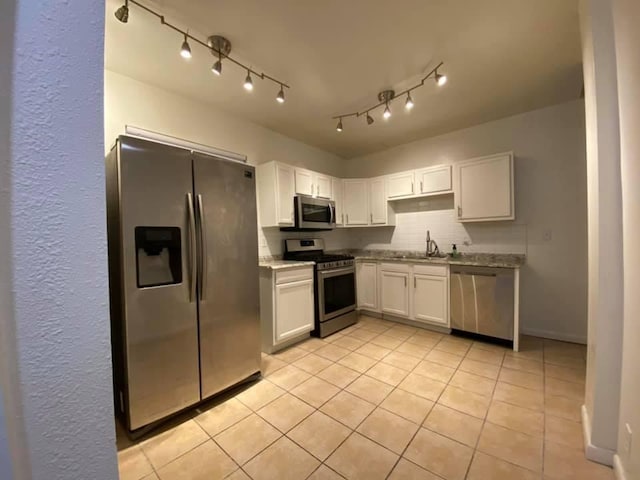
501, 58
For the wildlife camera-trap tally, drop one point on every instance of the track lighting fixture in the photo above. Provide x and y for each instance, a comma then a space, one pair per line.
385, 98
387, 112
122, 13
218, 45
217, 68
185, 50
409, 103
248, 83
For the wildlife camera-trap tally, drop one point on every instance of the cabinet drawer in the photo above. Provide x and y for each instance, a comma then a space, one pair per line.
435, 270
294, 275
395, 267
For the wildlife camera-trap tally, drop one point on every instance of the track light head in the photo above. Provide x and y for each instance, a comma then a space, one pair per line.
280, 97
248, 82
409, 103
369, 119
185, 50
217, 68
387, 112
440, 79
339, 126
122, 13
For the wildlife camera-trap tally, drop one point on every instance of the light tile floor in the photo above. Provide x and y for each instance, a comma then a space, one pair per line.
381, 400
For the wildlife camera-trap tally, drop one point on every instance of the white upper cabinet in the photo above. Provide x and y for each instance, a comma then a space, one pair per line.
323, 186
312, 183
337, 195
400, 185
378, 214
434, 180
484, 189
356, 201
276, 190
304, 182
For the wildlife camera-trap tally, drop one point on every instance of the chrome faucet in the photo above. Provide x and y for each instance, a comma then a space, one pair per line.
432, 246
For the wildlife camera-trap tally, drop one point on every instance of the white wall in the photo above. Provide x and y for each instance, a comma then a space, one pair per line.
549, 148
131, 102
57, 397
605, 231
627, 37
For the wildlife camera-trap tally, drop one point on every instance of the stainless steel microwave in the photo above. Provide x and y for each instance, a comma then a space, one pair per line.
314, 213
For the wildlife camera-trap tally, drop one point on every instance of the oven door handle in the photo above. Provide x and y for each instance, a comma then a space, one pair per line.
339, 271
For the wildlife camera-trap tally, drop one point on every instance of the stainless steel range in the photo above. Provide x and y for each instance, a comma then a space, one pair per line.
335, 284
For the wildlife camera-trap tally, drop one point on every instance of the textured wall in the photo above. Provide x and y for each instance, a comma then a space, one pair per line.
550, 191
59, 276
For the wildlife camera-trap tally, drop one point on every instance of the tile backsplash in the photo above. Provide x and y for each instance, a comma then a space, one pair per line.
436, 214
413, 218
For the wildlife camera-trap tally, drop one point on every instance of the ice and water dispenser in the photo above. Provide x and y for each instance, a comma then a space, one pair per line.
158, 256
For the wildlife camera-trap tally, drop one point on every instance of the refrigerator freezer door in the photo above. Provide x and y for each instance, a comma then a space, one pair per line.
229, 297
160, 318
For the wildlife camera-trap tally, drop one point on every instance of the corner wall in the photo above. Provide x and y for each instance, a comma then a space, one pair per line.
551, 209
602, 395
626, 16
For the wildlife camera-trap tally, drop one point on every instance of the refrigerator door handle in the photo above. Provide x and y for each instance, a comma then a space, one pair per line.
203, 249
192, 248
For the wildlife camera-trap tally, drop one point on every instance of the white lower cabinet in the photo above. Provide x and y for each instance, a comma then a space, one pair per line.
394, 288
286, 306
418, 292
429, 299
294, 309
367, 286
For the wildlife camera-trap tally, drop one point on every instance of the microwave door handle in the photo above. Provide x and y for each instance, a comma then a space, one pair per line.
332, 213
203, 249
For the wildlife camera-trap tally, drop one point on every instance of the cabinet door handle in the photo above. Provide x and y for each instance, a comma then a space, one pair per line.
371, 216
342, 216
411, 187
459, 211
405, 282
414, 283
347, 219
421, 188
318, 189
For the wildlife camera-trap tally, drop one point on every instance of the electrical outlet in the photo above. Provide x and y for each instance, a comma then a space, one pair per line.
628, 435
547, 235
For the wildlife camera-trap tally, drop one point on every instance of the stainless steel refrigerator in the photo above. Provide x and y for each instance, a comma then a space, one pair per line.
183, 277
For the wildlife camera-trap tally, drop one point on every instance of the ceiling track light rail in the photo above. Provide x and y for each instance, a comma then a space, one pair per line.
385, 98
219, 46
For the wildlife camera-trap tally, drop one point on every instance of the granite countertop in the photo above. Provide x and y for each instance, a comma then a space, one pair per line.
473, 259
276, 264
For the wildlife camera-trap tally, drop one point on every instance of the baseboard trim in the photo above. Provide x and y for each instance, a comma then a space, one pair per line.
592, 452
618, 468
565, 337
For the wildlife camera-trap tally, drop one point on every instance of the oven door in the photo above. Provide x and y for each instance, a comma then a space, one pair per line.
315, 213
336, 292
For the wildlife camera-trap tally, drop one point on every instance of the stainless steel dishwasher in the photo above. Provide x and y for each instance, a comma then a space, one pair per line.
482, 300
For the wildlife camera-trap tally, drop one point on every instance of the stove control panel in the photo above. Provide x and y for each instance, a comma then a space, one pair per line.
335, 264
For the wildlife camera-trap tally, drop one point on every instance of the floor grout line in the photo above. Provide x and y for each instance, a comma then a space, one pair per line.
417, 340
